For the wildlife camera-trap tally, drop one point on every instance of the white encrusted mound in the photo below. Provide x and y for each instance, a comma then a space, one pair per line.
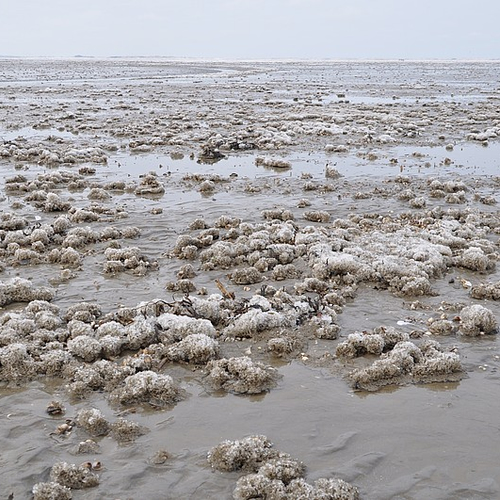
73, 476
273, 474
477, 320
407, 363
51, 491
241, 375
22, 290
358, 344
255, 321
196, 348
245, 454
148, 386
177, 327
93, 421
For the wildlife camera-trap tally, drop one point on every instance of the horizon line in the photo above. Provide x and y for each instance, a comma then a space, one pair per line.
255, 59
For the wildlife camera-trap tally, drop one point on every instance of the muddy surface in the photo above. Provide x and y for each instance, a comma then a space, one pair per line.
194, 252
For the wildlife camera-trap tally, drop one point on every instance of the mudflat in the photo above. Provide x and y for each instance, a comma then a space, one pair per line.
249, 279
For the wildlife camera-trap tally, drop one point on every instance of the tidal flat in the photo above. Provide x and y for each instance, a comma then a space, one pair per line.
249, 279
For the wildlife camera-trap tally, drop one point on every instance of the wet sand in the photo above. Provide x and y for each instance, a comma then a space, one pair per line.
385, 207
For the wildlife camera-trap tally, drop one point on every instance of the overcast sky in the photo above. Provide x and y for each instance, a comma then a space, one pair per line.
255, 29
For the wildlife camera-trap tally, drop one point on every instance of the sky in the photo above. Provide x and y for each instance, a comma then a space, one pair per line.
252, 29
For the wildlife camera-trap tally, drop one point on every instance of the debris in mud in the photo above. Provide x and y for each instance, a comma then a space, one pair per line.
332, 172
55, 408
400, 234
87, 447
160, 457
64, 429
209, 154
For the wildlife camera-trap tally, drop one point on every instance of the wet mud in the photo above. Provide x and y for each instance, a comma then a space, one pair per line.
249, 279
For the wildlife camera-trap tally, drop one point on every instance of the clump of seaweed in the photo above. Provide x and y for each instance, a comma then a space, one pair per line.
255, 320
247, 454
359, 344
